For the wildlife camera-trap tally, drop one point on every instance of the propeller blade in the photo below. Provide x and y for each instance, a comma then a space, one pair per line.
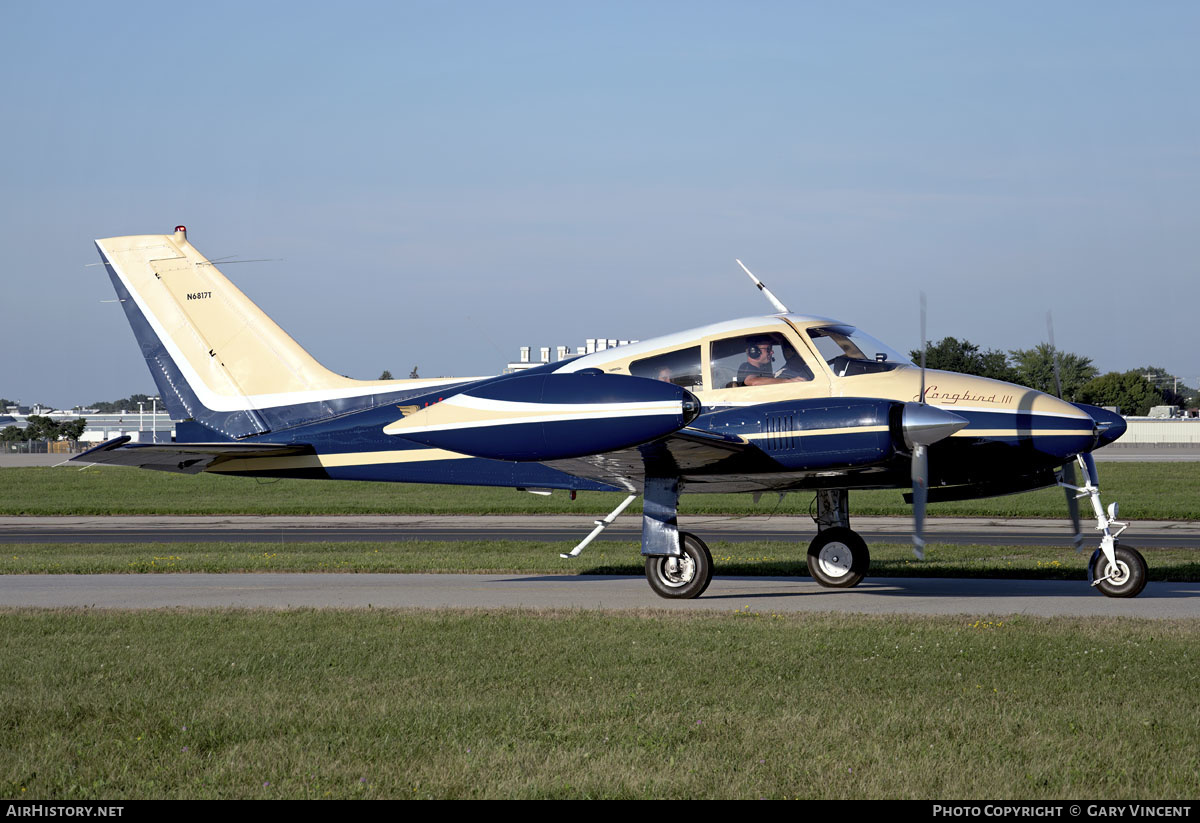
920, 491
1068, 469
1068, 474
924, 346
1054, 355
920, 450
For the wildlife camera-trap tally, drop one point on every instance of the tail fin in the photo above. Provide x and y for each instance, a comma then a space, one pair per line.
215, 356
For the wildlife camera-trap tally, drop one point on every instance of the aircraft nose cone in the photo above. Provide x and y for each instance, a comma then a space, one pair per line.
924, 425
1109, 425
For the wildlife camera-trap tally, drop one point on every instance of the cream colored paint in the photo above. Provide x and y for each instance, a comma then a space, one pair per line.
338, 460
903, 384
253, 362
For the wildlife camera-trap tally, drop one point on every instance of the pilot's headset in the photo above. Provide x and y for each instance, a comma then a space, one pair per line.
754, 350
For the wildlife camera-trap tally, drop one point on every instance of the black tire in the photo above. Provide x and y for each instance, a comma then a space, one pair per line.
692, 571
838, 558
1131, 573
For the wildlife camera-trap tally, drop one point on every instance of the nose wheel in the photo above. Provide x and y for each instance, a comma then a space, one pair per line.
838, 558
1124, 578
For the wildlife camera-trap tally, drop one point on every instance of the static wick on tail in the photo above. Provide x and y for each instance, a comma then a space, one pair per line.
779, 307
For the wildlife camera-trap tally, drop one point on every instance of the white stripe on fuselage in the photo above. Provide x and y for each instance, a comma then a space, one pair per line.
610, 412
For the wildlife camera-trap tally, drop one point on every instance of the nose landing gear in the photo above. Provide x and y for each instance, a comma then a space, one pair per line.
1116, 570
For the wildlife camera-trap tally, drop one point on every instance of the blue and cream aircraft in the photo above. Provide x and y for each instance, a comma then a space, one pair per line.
762, 404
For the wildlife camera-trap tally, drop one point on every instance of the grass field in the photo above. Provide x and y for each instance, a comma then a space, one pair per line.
507, 704
1146, 491
407, 704
527, 557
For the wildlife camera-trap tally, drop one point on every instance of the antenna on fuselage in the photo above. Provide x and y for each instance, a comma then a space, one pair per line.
779, 307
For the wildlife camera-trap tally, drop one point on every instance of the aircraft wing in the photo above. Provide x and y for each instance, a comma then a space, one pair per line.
686, 453
183, 458
810, 444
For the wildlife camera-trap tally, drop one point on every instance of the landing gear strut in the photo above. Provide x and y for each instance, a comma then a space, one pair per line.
837, 557
1116, 570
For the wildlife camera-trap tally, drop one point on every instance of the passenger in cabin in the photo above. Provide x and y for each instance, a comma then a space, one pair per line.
664, 374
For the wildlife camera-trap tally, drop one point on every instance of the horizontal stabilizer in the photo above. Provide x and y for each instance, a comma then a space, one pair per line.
183, 458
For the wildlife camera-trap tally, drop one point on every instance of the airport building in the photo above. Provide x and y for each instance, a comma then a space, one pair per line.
150, 424
591, 344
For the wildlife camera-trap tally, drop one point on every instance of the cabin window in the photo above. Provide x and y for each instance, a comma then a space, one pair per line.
761, 354
849, 352
681, 367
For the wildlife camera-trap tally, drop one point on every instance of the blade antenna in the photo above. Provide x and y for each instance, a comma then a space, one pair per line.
779, 307
228, 262
1068, 469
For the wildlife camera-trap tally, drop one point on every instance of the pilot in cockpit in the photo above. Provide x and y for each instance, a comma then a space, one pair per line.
758, 371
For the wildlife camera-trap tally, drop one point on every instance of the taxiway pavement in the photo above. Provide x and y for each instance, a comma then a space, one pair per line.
925, 596
560, 528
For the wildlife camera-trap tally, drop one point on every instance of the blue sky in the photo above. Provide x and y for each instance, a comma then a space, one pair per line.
446, 182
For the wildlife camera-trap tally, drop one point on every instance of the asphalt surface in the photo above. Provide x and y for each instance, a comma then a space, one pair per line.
924, 596
927, 596
565, 528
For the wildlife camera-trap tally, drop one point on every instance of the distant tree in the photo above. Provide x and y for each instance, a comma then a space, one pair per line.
1166, 383
124, 404
966, 358
74, 429
5, 403
387, 375
1130, 391
1035, 369
11, 433
41, 428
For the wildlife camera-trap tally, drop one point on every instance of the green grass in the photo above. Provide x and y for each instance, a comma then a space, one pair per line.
1146, 491
313, 704
758, 558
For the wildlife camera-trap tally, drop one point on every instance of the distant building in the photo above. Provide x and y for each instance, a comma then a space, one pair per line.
591, 344
143, 427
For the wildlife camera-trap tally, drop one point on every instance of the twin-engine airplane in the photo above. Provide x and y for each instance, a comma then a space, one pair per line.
763, 404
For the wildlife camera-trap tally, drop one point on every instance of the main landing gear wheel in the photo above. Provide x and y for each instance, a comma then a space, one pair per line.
1129, 577
682, 577
838, 558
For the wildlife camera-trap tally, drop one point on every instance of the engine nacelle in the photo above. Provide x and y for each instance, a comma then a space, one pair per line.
815, 434
551, 416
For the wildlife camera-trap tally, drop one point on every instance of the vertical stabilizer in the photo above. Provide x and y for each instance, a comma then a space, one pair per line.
215, 356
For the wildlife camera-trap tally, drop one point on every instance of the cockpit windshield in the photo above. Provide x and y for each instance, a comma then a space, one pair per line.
850, 352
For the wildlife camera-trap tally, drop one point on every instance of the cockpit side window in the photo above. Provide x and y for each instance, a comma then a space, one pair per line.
755, 359
681, 367
849, 352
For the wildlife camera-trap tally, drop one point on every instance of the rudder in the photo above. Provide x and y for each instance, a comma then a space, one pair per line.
215, 356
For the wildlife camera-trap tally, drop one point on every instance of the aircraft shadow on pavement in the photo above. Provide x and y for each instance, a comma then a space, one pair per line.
925, 587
